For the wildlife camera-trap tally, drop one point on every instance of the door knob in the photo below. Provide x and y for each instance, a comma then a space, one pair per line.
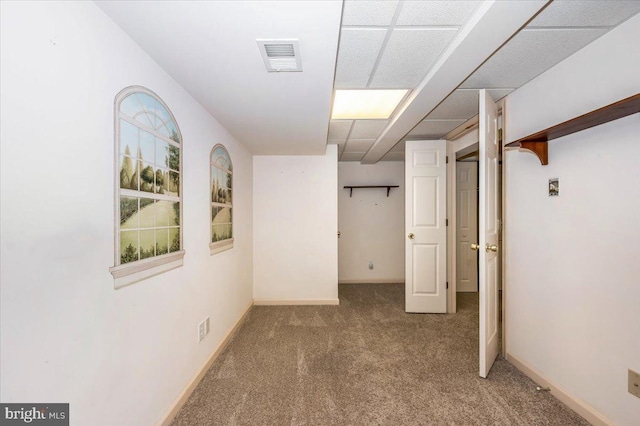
475, 246
411, 235
339, 233
491, 248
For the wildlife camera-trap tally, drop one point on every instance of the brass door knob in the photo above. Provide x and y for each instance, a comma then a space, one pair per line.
411, 235
475, 246
491, 248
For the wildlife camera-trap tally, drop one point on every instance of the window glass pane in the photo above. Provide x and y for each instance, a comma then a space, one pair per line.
162, 153
128, 246
128, 138
174, 218
147, 147
223, 215
147, 243
128, 173
174, 239
221, 158
147, 213
215, 185
128, 212
147, 178
221, 180
164, 213
162, 241
148, 106
174, 158
229, 198
174, 184
130, 105
220, 232
173, 131
160, 181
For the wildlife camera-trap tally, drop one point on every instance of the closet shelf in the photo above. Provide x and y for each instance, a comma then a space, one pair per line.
537, 142
351, 188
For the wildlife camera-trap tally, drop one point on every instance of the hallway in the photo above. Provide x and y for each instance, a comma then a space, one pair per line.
364, 362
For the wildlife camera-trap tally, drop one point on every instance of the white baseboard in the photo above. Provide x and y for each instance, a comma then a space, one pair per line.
366, 281
168, 417
276, 302
568, 399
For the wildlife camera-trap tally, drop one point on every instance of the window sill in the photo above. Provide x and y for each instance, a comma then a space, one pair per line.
131, 273
220, 246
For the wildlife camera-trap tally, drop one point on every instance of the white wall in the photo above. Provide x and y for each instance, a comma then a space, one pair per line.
371, 225
117, 356
572, 261
295, 228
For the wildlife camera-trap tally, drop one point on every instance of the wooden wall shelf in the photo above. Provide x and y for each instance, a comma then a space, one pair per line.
351, 188
537, 142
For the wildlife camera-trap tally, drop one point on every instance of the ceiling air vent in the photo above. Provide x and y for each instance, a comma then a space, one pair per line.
281, 55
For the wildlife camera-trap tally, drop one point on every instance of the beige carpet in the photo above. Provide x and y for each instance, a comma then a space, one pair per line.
365, 362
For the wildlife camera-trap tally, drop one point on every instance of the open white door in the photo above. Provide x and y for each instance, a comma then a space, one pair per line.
425, 225
488, 232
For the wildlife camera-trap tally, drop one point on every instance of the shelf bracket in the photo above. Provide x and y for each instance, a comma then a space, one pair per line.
539, 148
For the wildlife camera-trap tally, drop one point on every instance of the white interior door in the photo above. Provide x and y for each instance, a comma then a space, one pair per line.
425, 225
488, 232
467, 226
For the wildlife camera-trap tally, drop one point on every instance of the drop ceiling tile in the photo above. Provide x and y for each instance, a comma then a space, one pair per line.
463, 104
339, 129
434, 129
368, 129
352, 156
357, 55
359, 145
393, 156
585, 13
420, 12
409, 54
399, 147
372, 12
528, 54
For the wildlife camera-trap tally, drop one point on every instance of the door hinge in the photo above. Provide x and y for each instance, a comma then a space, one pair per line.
447, 284
447, 159
446, 221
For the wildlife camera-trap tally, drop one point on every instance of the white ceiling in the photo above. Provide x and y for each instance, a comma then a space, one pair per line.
210, 48
395, 44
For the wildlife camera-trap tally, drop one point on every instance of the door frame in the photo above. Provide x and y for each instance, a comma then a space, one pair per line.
460, 141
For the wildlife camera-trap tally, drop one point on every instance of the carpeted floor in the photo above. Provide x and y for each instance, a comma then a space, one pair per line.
365, 362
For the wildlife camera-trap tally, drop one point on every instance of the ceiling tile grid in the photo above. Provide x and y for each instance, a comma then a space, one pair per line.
359, 145
408, 56
352, 156
368, 12
447, 12
579, 13
357, 56
529, 54
434, 129
339, 129
368, 129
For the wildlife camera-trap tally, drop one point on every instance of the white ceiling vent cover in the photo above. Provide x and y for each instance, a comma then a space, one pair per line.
281, 55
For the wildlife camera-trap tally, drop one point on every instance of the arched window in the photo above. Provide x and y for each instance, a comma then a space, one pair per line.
148, 185
221, 200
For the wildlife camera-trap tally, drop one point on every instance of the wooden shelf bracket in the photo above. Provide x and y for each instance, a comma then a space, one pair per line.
538, 142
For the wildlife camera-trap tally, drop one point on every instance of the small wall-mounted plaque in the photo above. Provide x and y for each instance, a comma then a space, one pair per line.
554, 187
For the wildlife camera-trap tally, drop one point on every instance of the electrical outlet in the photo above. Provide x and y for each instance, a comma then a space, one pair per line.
201, 331
207, 326
634, 383
370, 264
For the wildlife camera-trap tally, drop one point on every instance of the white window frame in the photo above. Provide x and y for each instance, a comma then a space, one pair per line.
130, 273
219, 246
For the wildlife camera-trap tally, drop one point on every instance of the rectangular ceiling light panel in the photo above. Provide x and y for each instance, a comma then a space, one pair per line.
366, 104
281, 55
